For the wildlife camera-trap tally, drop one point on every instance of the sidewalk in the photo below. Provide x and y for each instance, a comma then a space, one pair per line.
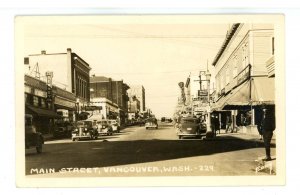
240, 135
262, 166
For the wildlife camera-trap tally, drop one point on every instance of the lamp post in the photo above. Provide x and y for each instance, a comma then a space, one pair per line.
208, 76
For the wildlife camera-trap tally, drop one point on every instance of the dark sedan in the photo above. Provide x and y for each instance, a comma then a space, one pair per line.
190, 127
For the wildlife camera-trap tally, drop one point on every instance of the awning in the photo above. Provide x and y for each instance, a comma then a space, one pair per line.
42, 112
262, 92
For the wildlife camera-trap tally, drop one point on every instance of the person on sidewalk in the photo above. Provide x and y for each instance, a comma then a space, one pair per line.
268, 126
258, 121
228, 124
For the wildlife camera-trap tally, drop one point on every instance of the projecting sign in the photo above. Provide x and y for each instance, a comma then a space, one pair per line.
49, 76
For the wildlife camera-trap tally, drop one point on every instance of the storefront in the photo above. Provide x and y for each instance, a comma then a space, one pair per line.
44, 110
244, 102
64, 104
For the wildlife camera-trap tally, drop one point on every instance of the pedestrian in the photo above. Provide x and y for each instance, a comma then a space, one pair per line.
268, 126
228, 123
258, 121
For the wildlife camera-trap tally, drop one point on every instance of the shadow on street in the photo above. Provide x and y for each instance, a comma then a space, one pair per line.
104, 154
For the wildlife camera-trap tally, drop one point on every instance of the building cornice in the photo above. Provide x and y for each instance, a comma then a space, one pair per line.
226, 42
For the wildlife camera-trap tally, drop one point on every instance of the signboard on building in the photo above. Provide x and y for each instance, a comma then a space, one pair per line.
40, 93
49, 76
243, 75
93, 108
63, 102
202, 93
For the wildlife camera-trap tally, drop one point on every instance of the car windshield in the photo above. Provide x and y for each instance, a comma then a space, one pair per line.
113, 122
88, 123
189, 120
102, 122
80, 123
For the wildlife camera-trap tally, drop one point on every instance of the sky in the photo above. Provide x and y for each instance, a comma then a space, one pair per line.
157, 52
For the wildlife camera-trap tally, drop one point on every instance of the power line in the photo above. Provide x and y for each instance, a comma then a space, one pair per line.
140, 73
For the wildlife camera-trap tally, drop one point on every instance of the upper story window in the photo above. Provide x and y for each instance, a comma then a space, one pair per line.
227, 78
235, 66
245, 55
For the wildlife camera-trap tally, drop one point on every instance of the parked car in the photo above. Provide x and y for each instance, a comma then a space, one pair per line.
151, 123
84, 130
104, 128
115, 125
32, 137
190, 126
63, 129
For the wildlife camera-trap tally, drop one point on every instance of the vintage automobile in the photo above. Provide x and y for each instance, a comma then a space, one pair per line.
63, 129
104, 128
151, 123
115, 125
32, 137
84, 130
190, 127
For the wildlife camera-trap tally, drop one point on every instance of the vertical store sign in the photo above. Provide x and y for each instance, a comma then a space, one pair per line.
49, 76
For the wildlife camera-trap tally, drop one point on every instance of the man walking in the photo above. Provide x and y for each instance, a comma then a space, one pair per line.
268, 126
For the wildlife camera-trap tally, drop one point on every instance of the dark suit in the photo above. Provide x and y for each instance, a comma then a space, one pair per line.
268, 125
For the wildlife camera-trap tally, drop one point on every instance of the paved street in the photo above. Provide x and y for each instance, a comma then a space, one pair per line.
139, 152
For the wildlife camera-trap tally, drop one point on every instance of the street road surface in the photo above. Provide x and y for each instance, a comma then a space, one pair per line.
140, 152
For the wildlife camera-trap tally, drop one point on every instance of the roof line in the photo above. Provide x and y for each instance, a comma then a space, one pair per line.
226, 42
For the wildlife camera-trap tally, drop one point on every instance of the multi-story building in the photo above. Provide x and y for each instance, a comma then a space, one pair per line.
242, 79
107, 109
134, 105
113, 91
44, 111
139, 92
70, 73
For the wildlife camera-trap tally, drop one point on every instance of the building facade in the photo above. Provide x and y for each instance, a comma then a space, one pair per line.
70, 73
113, 91
243, 68
134, 105
139, 92
109, 110
45, 112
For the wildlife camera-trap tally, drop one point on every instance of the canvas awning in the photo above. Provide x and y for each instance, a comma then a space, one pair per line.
262, 92
42, 112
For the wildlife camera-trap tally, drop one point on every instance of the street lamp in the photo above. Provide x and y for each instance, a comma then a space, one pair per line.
208, 76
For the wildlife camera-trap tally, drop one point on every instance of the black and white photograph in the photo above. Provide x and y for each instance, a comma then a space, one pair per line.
156, 98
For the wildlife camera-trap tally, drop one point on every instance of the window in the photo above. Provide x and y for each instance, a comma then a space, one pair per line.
35, 101
245, 55
227, 78
43, 103
235, 68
